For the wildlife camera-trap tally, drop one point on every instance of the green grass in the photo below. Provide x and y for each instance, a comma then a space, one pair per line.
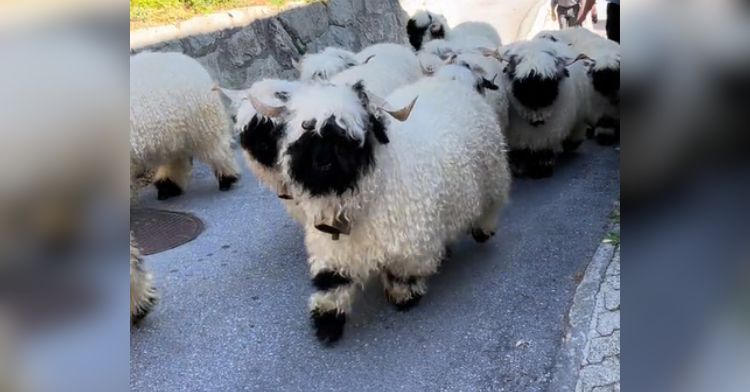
145, 13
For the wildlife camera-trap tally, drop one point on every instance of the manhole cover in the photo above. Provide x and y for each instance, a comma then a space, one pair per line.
159, 230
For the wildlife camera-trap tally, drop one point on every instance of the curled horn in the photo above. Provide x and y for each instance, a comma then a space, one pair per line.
403, 113
428, 70
266, 110
367, 60
399, 114
450, 57
296, 64
578, 58
495, 53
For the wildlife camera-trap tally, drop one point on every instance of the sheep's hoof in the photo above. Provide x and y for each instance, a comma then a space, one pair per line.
167, 188
480, 236
407, 305
143, 309
225, 182
329, 325
571, 145
606, 139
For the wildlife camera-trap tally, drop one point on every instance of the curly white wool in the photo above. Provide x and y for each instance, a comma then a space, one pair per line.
383, 74
493, 72
325, 64
443, 172
176, 114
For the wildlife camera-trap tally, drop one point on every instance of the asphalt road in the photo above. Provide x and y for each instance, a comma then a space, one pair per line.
233, 314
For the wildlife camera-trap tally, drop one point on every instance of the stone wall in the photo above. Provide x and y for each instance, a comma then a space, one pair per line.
239, 47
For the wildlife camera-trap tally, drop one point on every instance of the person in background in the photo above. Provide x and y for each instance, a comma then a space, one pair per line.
613, 17
565, 12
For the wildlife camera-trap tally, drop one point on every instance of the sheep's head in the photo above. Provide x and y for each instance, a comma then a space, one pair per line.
605, 76
425, 26
534, 71
468, 74
260, 129
324, 65
331, 135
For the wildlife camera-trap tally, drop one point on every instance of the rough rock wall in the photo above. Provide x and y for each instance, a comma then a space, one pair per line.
237, 56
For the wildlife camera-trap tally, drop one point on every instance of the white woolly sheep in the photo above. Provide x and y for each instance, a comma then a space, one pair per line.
408, 188
491, 71
425, 26
259, 134
604, 74
400, 59
547, 88
175, 116
383, 74
323, 65
142, 292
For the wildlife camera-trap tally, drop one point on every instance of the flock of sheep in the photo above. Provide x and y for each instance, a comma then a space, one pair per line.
385, 156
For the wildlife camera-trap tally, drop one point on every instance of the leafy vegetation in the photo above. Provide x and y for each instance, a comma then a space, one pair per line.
144, 13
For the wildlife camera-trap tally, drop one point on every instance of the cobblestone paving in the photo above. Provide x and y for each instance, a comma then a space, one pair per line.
600, 368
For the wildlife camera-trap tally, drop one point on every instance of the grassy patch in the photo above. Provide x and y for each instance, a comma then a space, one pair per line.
612, 238
145, 13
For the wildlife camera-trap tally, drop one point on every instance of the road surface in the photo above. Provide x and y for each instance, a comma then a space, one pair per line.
233, 314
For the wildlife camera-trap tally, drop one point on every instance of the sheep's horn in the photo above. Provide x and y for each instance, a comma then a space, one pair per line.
450, 58
266, 110
493, 53
578, 58
426, 70
367, 60
403, 113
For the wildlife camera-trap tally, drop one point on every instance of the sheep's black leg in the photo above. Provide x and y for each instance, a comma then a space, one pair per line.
518, 160
226, 181
330, 304
607, 131
403, 291
166, 188
570, 145
541, 163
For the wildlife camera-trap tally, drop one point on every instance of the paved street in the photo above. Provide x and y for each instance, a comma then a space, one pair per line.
233, 314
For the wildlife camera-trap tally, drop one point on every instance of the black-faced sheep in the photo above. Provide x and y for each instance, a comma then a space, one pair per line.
604, 74
547, 88
175, 116
406, 188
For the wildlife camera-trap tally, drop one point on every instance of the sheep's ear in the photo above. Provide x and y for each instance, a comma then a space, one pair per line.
359, 89
489, 84
297, 64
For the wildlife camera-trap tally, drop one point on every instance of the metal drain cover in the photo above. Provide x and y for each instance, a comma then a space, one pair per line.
159, 230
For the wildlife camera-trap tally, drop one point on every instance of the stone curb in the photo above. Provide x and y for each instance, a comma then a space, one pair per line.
565, 374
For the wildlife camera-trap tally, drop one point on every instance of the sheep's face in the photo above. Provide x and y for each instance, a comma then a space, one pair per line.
534, 74
259, 134
607, 82
425, 26
260, 139
331, 137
